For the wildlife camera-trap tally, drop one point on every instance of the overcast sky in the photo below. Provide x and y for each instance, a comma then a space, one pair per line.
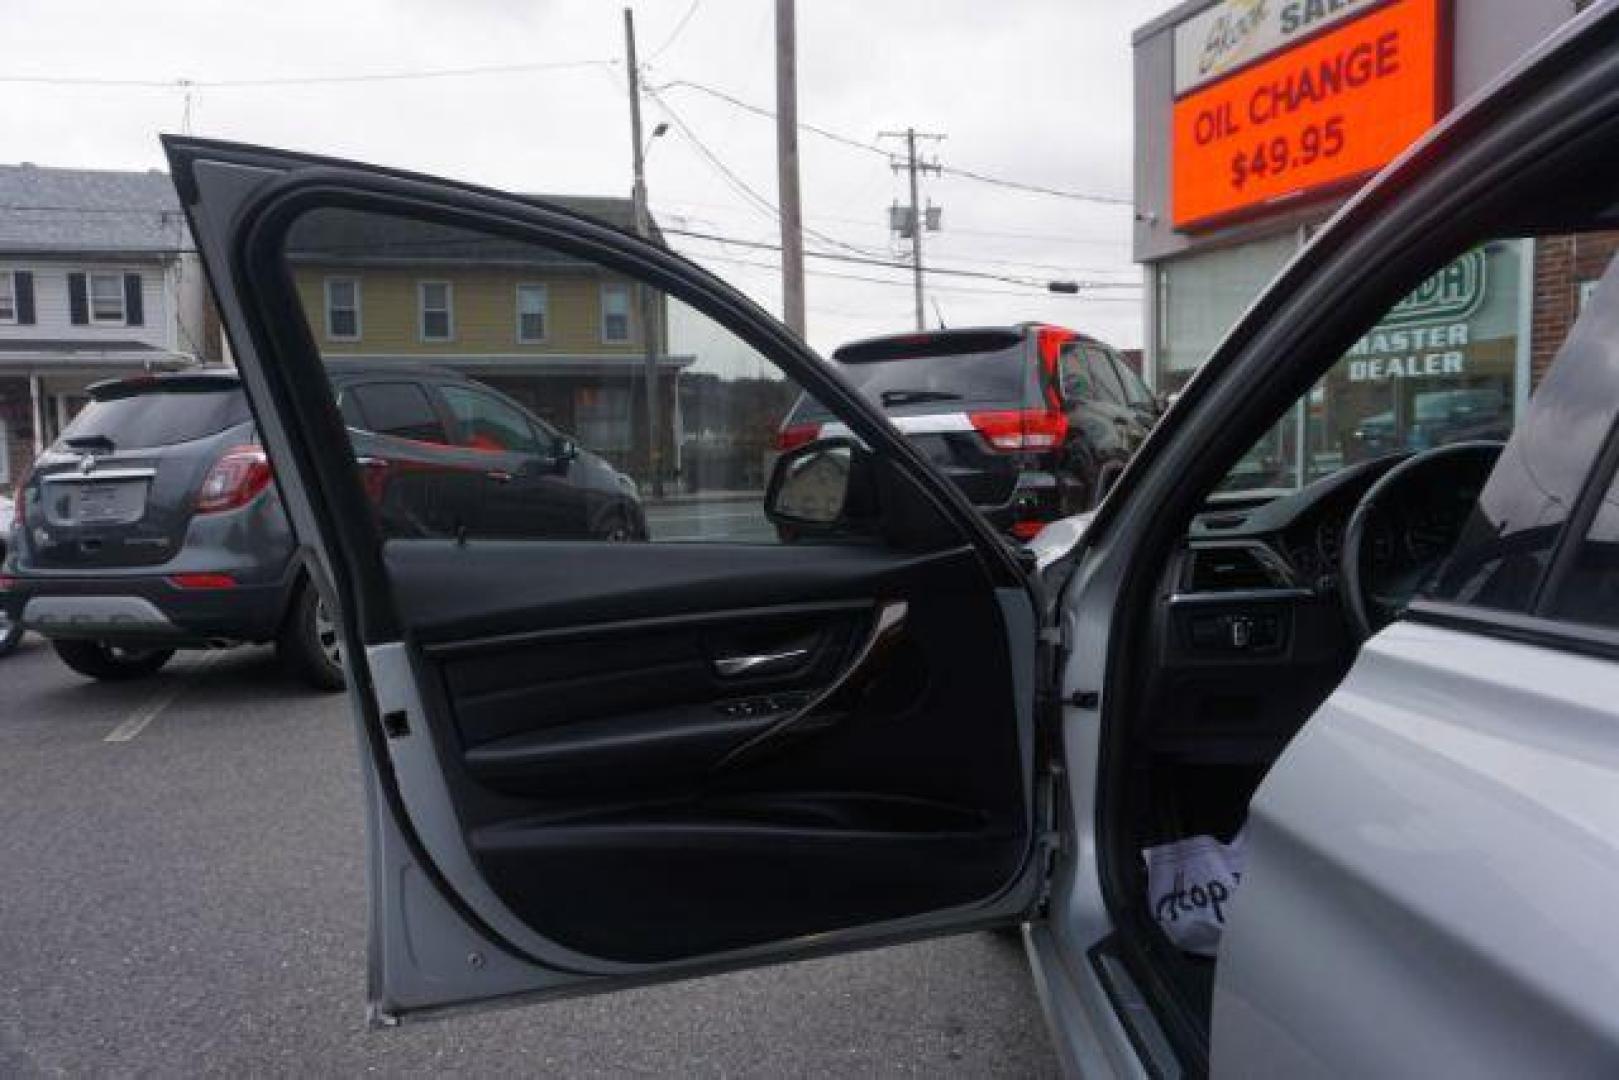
1036, 91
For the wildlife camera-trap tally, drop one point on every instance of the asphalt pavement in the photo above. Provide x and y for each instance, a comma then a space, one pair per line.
182, 891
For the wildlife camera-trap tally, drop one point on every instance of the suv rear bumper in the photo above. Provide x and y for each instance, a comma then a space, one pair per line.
1039, 496
147, 608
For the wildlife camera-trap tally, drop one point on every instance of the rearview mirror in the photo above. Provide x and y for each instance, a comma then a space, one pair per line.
813, 487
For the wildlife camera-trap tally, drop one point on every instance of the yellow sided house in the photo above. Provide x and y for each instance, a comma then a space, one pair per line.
562, 335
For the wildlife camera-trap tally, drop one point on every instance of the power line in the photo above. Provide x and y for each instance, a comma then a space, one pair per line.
758, 201
306, 80
761, 111
872, 148
963, 289
1063, 268
673, 34
892, 264
1035, 189
1044, 237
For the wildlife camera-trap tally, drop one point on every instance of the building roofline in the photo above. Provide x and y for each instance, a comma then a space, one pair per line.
1177, 14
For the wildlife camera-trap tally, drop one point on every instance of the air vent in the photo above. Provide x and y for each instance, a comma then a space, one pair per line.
1223, 521
1231, 569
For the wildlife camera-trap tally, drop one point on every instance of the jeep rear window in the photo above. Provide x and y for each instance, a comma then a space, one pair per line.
939, 372
158, 417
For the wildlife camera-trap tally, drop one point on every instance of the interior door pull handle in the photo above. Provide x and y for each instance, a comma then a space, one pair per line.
732, 667
837, 701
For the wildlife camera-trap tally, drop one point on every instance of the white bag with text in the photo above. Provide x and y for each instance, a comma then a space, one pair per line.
1191, 884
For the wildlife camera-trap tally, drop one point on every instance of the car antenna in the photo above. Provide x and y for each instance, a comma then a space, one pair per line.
937, 312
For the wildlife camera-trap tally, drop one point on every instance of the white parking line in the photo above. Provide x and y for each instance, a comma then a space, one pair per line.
149, 710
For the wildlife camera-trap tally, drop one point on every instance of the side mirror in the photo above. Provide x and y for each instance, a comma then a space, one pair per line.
563, 450
821, 488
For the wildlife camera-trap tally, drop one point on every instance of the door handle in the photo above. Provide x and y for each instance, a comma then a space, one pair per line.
731, 667
836, 701
499, 476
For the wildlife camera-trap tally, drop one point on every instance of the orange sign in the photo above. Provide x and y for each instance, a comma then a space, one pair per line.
1337, 107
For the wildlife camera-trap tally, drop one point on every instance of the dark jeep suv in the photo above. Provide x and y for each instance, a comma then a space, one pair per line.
1033, 422
152, 524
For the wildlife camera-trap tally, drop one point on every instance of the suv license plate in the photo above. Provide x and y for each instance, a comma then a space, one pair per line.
101, 504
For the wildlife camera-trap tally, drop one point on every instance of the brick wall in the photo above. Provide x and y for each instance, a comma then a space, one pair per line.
1561, 264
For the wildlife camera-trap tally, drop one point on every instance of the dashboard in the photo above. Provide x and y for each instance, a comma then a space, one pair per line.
1252, 631
1301, 534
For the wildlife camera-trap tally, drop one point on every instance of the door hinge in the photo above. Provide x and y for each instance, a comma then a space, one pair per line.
1050, 836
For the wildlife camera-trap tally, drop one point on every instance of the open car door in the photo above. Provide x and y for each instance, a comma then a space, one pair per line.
589, 763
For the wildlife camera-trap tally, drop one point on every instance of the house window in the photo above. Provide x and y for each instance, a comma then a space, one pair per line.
8, 297
342, 309
615, 313
437, 319
533, 312
107, 298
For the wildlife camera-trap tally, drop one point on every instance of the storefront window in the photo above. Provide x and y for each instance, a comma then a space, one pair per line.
1201, 296
1441, 367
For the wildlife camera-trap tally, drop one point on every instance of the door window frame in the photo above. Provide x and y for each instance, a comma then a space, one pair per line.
272, 303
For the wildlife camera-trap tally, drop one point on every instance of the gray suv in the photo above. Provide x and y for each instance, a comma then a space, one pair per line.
152, 524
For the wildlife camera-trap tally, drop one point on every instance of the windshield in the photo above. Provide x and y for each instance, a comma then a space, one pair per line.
155, 418
1440, 367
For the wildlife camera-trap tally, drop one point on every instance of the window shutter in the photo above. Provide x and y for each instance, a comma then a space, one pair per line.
133, 315
78, 302
23, 289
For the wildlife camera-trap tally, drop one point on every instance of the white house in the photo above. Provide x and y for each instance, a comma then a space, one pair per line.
98, 279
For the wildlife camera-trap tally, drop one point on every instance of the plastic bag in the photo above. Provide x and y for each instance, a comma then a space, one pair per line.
1191, 884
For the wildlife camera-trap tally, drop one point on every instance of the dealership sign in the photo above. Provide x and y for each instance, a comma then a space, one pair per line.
1429, 332
1279, 98
1237, 32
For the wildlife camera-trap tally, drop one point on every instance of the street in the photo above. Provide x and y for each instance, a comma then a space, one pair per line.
182, 890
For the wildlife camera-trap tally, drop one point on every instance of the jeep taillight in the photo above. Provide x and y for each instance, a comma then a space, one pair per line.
239, 476
795, 435
1022, 429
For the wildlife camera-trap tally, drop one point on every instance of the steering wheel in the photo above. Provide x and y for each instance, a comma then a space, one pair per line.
1367, 614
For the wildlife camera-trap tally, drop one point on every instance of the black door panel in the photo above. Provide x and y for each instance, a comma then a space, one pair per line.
457, 597
600, 749
695, 879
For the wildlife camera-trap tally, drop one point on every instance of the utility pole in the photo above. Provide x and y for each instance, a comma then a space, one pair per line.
787, 193
643, 228
915, 222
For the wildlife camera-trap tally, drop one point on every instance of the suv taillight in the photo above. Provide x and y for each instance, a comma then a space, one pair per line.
795, 435
239, 476
1022, 429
